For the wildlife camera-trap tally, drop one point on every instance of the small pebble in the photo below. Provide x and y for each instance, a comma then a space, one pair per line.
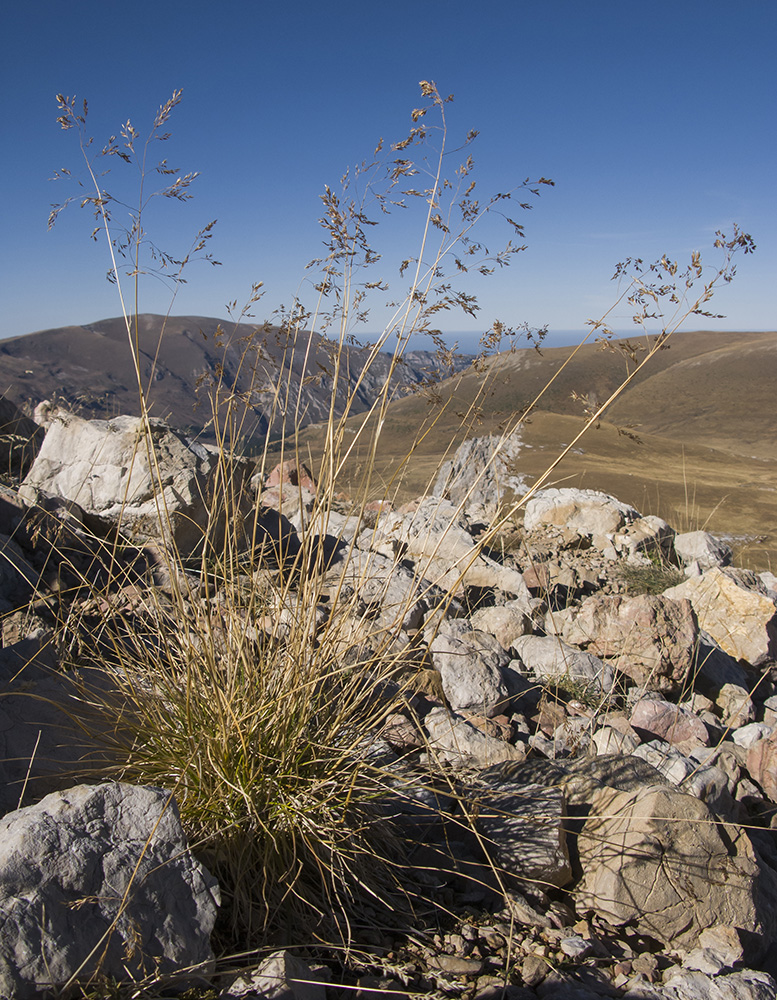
533, 970
575, 947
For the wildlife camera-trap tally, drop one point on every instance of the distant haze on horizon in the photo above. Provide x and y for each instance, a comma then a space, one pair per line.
656, 125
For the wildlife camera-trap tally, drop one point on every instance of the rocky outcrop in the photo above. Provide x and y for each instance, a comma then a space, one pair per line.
480, 475
141, 477
589, 769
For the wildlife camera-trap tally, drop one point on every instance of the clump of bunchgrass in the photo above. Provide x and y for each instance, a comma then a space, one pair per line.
257, 706
653, 576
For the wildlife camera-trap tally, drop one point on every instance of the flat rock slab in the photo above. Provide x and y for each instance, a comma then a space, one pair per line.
657, 857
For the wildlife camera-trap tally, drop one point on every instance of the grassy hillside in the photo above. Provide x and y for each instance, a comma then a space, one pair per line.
708, 389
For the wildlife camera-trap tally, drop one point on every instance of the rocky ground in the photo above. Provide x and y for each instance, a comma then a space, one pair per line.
598, 696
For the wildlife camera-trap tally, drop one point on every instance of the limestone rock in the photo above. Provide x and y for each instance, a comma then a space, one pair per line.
647, 856
280, 976
389, 592
650, 638
740, 619
505, 622
523, 829
457, 741
648, 535
762, 765
736, 706
702, 548
553, 660
436, 536
668, 722
688, 985
480, 472
719, 948
585, 512
103, 466
470, 663
99, 876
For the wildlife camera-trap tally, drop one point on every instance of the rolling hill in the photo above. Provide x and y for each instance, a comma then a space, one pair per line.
89, 368
693, 439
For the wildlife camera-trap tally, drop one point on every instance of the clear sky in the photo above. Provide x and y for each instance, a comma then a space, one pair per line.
657, 122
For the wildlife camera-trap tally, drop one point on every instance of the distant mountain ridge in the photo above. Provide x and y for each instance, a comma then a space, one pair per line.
89, 367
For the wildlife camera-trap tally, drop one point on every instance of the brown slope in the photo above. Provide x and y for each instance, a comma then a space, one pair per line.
596, 370
723, 397
90, 368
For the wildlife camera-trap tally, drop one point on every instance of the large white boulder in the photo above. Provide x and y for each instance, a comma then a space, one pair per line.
583, 512
142, 477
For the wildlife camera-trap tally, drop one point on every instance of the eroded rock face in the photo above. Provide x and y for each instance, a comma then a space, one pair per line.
104, 467
656, 856
651, 639
479, 474
585, 512
436, 536
99, 877
742, 620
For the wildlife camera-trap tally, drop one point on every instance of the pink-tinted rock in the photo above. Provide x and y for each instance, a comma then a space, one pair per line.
762, 765
293, 473
650, 638
669, 722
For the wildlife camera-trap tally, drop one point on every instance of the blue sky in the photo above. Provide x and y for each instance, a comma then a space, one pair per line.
656, 122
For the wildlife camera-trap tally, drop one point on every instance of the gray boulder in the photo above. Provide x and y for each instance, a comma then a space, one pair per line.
702, 548
99, 880
470, 664
550, 659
